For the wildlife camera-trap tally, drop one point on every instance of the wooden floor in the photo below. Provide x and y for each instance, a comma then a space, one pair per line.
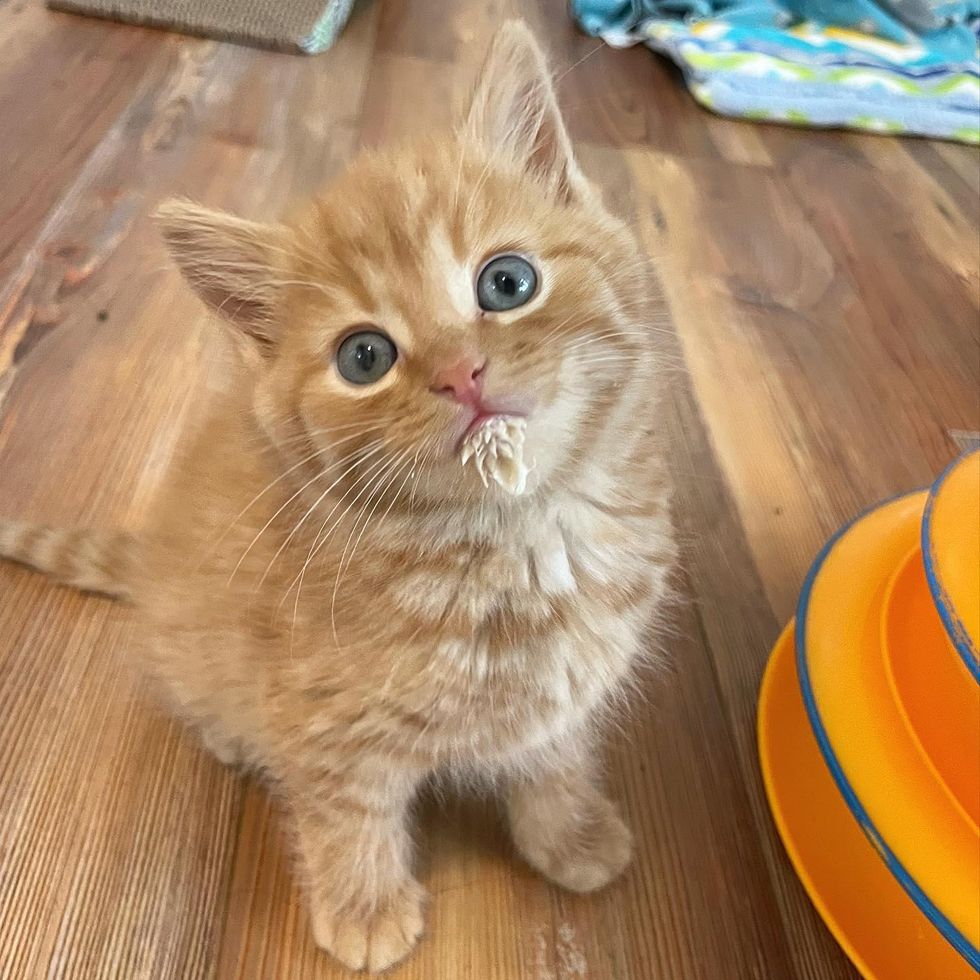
824, 289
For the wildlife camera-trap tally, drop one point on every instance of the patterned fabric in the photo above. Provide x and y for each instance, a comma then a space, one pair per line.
757, 60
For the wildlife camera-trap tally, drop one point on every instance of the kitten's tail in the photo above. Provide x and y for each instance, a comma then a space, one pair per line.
93, 561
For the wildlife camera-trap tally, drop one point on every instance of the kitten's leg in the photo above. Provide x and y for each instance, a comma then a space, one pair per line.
565, 827
366, 907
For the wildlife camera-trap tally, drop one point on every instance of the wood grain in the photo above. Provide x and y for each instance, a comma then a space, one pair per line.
824, 291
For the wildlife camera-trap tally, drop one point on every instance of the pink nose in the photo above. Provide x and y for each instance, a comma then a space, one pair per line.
462, 381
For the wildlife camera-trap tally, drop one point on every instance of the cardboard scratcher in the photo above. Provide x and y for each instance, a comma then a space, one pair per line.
301, 26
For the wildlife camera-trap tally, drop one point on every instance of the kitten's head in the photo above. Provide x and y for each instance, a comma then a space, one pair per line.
454, 279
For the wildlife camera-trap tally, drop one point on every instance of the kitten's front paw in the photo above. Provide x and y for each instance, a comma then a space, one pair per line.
583, 854
376, 941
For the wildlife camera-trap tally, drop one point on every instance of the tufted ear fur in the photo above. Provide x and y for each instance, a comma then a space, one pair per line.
514, 111
232, 264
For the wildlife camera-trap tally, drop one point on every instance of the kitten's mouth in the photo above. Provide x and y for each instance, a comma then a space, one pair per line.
482, 415
484, 418
495, 445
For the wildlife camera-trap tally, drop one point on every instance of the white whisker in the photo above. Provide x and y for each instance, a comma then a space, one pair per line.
282, 476
320, 540
376, 446
378, 495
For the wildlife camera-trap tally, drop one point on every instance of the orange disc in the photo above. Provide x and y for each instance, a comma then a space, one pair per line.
938, 698
951, 551
928, 843
872, 917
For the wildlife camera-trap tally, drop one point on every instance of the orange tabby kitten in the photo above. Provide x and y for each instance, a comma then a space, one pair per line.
425, 528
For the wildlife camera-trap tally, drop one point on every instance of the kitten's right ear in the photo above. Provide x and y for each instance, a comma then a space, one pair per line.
231, 263
514, 112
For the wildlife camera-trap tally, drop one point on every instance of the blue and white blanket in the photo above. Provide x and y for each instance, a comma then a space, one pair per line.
896, 66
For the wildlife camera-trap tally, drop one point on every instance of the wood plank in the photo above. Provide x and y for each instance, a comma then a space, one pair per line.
815, 320
56, 56
715, 524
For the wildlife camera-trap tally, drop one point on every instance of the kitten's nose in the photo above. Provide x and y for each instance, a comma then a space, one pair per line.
462, 381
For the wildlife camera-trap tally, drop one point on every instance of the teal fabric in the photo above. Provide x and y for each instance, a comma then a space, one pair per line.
897, 66
944, 23
892, 19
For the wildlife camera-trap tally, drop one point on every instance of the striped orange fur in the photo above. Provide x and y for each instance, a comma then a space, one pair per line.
327, 594
93, 561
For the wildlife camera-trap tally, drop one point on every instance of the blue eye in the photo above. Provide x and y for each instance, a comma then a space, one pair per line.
505, 282
366, 357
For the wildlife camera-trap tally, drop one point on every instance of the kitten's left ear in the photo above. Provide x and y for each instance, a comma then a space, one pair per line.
514, 111
231, 263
